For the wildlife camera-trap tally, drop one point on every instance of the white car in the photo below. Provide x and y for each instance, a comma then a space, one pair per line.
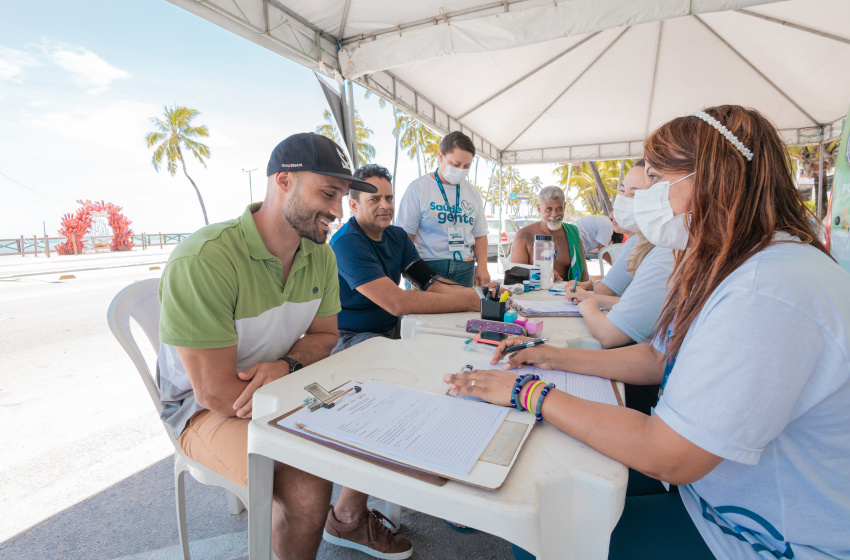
509, 229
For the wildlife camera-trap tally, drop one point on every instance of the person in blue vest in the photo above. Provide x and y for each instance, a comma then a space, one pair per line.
371, 255
443, 214
751, 351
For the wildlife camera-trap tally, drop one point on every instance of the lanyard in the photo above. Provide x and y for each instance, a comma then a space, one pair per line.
445, 198
668, 368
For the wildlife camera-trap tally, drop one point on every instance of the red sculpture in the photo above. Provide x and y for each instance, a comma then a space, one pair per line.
76, 226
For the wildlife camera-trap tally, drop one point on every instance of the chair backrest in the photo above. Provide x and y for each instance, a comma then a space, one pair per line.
613, 250
140, 302
505, 262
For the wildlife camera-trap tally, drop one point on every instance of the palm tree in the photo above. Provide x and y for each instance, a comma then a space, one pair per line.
604, 199
535, 184
417, 141
173, 131
591, 180
805, 160
365, 150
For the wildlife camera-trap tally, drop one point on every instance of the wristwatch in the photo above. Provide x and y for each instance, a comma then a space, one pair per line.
294, 365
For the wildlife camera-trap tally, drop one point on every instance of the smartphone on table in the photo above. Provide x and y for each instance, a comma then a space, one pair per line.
490, 337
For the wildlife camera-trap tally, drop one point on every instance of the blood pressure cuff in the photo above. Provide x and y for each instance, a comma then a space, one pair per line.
420, 274
516, 275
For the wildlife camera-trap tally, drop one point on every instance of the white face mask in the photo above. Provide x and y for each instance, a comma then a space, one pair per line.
454, 175
624, 213
655, 218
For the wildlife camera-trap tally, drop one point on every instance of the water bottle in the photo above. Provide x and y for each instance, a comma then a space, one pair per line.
544, 257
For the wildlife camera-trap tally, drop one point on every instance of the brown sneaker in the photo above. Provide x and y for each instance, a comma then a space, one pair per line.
368, 534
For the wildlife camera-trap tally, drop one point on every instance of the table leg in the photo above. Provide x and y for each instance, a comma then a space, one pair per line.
260, 485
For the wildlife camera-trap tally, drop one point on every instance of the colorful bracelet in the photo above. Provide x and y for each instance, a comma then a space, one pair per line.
517, 389
531, 392
539, 412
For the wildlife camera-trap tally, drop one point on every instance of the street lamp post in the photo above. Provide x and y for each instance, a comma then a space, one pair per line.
250, 190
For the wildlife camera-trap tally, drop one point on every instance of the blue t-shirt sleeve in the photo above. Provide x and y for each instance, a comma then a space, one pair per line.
356, 260
409, 253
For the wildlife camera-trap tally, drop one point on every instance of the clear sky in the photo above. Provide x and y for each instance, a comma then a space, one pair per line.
80, 80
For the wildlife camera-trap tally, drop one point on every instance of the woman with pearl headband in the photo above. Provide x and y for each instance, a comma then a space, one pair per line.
752, 351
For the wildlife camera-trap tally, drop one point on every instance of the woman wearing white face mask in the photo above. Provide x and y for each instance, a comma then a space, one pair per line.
751, 352
443, 214
633, 292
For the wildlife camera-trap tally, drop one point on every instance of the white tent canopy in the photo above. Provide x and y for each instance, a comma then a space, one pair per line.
536, 81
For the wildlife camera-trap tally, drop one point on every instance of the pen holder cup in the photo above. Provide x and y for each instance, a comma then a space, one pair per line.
493, 310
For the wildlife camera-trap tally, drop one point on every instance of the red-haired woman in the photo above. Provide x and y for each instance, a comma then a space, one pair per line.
752, 352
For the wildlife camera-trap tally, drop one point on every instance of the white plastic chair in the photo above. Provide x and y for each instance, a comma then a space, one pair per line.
140, 302
505, 263
613, 250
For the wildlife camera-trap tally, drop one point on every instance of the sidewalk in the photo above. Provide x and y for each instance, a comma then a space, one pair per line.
16, 266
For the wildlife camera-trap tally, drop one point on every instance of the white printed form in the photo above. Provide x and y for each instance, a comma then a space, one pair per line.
587, 387
435, 430
558, 307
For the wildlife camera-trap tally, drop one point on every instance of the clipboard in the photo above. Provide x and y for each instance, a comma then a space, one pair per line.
489, 472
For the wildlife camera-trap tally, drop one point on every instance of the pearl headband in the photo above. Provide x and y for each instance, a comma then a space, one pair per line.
746, 152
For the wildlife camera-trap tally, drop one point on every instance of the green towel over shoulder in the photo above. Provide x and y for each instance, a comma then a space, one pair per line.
574, 243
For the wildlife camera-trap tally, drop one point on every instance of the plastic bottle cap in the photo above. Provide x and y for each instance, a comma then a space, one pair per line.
543, 238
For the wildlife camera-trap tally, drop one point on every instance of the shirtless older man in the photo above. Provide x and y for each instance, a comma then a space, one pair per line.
569, 255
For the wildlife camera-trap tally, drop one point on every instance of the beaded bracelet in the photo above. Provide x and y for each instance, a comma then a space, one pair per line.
539, 413
531, 392
517, 389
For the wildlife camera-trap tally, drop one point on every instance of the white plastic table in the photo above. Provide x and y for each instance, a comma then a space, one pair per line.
561, 332
561, 499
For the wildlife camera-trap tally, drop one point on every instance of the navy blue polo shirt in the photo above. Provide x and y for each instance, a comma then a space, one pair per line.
361, 260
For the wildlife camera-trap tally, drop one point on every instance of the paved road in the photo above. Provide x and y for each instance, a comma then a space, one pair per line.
75, 417
85, 469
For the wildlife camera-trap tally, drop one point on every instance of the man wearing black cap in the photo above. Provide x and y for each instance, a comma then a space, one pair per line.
245, 302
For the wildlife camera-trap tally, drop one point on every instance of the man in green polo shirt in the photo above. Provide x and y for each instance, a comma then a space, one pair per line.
245, 302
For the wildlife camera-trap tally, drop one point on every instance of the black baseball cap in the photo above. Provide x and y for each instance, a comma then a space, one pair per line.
315, 153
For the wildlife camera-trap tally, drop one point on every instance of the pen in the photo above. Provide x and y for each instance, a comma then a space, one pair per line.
527, 344
496, 292
504, 296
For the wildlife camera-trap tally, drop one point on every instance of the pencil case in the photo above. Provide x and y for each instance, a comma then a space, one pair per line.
478, 325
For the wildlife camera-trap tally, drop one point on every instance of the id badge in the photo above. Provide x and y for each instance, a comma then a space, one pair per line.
455, 234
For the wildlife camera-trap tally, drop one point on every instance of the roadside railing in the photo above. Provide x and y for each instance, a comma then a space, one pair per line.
35, 246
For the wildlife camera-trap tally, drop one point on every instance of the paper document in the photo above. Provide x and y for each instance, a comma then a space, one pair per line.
554, 308
587, 387
405, 424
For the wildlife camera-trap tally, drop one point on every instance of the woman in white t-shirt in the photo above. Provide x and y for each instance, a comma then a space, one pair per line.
752, 352
443, 214
633, 311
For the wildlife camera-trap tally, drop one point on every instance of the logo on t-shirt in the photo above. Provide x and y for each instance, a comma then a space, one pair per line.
466, 207
451, 214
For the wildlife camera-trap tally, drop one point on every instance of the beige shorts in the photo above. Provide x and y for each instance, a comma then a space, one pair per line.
219, 443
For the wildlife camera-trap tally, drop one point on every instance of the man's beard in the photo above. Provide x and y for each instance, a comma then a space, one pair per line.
554, 225
304, 221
